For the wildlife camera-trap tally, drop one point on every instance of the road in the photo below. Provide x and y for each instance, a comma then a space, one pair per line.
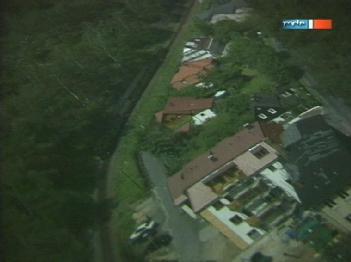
104, 241
184, 229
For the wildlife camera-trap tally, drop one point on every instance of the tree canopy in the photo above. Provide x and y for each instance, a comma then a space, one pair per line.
66, 65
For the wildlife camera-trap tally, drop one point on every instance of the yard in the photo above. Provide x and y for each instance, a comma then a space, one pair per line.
127, 183
242, 74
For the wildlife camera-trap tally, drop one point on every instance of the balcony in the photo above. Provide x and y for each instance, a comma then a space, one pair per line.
225, 180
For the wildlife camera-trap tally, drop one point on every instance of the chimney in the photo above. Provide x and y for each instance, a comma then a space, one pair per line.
211, 156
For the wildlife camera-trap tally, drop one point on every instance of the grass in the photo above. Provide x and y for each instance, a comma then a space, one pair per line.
127, 183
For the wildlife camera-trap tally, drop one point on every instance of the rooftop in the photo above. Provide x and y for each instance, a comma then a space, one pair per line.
190, 73
178, 105
200, 195
266, 101
228, 7
251, 162
322, 158
217, 157
185, 106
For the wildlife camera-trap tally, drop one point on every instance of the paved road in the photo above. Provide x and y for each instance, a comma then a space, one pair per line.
105, 240
184, 229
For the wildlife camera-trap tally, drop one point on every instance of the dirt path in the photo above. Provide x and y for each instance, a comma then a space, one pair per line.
105, 242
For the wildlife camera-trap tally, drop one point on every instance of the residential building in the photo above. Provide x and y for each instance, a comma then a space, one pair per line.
338, 211
202, 48
202, 117
224, 8
319, 157
240, 15
266, 107
239, 186
179, 111
191, 73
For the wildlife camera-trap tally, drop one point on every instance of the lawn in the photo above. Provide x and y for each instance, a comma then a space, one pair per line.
127, 183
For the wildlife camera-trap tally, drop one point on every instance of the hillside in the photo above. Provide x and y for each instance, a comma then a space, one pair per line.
67, 66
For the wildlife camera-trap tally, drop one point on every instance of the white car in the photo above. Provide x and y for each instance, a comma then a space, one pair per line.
143, 231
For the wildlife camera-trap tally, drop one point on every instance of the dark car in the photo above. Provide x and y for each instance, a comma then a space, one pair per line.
158, 242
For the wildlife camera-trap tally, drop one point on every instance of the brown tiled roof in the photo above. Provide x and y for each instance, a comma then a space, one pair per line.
187, 105
184, 106
225, 151
190, 73
273, 131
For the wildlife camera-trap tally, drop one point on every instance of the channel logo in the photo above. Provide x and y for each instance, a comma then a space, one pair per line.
307, 24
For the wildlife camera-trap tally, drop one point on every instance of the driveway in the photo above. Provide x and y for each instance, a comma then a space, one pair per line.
184, 229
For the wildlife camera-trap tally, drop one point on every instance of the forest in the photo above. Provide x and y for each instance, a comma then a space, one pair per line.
72, 70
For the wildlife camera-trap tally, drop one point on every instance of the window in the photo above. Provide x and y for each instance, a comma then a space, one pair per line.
262, 116
330, 203
218, 205
229, 198
236, 220
286, 94
254, 234
342, 195
272, 168
259, 151
272, 111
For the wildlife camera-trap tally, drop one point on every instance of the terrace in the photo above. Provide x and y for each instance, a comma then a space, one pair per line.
225, 180
177, 121
254, 191
278, 211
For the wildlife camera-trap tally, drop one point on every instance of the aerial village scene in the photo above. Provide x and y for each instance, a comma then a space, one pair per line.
273, 190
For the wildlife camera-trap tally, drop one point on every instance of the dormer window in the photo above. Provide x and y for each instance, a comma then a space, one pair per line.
259, 151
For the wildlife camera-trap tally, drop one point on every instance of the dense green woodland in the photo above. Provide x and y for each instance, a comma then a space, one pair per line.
66, 64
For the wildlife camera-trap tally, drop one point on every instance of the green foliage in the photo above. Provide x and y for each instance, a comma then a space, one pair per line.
340, 251
67, 66
253, 53
227, 30
203, 27
325, 53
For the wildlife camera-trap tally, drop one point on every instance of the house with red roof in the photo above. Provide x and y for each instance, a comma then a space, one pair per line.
178, 111
191, 73
231, 185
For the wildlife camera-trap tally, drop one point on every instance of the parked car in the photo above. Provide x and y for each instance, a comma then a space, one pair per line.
158, 242
144, 231
259, 257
